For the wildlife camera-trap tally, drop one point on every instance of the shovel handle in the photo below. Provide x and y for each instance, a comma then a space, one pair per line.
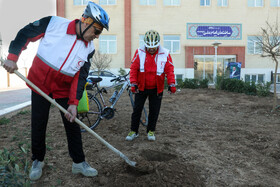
131, 163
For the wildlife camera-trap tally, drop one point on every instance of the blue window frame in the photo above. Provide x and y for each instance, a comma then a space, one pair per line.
205, 2
223, 3
255, 3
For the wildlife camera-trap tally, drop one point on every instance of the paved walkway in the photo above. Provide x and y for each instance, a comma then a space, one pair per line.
14, 99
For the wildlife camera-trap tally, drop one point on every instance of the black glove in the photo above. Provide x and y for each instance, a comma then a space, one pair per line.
134, 88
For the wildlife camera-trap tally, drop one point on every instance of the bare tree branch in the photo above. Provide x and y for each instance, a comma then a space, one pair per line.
100, 61
269, 42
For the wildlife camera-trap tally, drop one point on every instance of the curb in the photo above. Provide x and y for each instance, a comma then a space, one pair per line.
14, 108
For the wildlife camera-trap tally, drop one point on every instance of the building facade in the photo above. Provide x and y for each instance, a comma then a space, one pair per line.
189, 29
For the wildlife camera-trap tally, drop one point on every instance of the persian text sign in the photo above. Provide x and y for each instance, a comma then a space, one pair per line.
214, 31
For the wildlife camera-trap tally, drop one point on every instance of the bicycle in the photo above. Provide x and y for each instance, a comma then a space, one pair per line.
97, 112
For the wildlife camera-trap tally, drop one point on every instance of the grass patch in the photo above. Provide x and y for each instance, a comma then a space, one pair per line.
24, 112
4, 121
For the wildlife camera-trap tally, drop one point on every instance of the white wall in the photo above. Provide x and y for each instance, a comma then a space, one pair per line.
15, 14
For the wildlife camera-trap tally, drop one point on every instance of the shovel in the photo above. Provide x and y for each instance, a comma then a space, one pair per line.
131, 163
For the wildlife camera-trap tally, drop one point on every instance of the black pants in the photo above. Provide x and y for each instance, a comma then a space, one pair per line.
39, 119
154, 108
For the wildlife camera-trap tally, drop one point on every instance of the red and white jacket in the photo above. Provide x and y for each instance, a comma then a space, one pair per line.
61, 64
140, 74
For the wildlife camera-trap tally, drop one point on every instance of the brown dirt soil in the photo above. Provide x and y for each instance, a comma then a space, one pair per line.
204, 137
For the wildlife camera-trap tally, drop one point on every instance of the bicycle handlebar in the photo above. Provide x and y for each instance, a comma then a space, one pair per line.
119, 78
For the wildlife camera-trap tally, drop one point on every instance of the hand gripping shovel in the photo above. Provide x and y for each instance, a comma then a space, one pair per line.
131, 163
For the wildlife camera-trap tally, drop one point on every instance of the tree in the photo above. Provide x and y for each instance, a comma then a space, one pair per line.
269, 43
100, 61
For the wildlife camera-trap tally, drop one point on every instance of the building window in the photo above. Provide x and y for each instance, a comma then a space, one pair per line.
275, 3
205, 2
254, 45
277, 78
204, 66
107, 2
108, 44
81, 2
256, 78
179, 76
275, 41
223, 3
147, 2
172, 42
179, 79
255, 3
171, 2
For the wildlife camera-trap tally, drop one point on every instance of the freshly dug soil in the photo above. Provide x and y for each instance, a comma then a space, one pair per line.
204, 137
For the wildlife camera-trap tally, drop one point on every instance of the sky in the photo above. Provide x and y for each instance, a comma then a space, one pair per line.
15, 14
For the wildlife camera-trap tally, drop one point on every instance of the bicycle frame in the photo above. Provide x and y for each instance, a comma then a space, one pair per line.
101, 110
125, 85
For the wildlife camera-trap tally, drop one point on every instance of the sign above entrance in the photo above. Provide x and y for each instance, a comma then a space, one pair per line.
214, 31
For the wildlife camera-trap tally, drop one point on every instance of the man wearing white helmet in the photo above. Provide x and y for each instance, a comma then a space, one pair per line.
149, 66
60, 69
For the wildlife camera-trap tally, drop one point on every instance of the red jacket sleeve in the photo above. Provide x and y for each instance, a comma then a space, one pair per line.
134, 68
169, 71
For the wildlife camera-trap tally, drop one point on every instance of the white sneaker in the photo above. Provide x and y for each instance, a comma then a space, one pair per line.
151, 136
36, 170
131, 136
84, 168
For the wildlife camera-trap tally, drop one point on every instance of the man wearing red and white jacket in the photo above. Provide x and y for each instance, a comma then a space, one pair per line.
149, 66
59, 69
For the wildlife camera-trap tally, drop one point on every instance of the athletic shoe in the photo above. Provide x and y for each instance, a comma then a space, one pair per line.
36, 170
84, 168
151, 136
131, 136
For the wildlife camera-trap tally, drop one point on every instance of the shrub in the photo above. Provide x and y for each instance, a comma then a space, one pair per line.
235, 85
14, 168
203, 83
220, 82
250, 88
263, 89
191, 83
180, 83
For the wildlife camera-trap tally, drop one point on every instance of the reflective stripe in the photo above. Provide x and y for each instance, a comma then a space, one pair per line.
65, 73
46, 62
171, 63
53, 67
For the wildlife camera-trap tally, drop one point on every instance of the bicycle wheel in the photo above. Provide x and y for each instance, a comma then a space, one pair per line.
144, 116
93, 116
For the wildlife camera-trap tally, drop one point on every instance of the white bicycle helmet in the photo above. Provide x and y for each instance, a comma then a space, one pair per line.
151, 39
98, 14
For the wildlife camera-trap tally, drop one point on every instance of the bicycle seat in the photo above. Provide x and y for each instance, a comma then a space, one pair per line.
95, 80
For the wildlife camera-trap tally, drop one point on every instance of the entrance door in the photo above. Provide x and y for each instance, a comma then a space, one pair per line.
204, 66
